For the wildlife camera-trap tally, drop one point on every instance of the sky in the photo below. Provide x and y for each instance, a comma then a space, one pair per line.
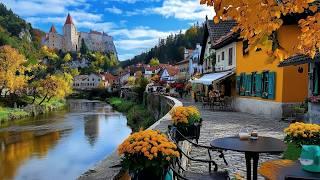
136, 25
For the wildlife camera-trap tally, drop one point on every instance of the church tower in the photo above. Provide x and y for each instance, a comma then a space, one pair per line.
70, 34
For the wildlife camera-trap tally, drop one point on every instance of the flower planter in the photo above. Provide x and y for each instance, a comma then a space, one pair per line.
149, 173
189, 131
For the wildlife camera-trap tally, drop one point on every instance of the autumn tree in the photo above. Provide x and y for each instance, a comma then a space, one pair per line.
154, 62
57, 85
258, 19
12, 70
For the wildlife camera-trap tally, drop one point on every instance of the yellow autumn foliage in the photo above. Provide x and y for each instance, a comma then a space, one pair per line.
257, 19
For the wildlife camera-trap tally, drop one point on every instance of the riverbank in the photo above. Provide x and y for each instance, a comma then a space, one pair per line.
108, 168
138, 116
9, 114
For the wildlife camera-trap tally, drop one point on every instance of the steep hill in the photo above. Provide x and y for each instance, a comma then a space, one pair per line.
171, 49
18, 33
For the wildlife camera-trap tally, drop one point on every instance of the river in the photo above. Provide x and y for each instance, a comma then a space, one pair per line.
61, 145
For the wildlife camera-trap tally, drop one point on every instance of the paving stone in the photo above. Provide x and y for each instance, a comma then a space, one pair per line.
218, 124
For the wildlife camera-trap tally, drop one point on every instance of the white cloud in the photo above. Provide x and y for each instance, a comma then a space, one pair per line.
134, 1
114, 10
141, 32
40, 7
136, 44
179, 9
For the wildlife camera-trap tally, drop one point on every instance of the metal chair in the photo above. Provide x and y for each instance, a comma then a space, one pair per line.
180, 173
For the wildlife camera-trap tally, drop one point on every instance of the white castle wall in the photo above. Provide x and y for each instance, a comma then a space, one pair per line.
70, 37
55, 41
71, 40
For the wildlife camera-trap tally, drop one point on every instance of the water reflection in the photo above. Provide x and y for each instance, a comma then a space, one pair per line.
49, 151
91, 128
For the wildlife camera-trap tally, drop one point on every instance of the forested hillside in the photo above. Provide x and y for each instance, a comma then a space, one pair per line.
171, 49
16, 32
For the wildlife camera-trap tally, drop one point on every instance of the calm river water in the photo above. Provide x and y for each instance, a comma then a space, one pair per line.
61, 145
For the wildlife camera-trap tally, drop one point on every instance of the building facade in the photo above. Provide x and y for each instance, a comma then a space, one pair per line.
88, 82
71, 40
265, 88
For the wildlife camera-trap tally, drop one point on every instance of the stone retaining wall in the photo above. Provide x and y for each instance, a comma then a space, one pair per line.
160, 106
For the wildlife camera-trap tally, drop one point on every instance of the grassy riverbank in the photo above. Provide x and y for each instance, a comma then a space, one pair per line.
138, 116
8, 114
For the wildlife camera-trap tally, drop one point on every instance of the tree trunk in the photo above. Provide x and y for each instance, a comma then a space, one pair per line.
49, 98
34, 98
43, 99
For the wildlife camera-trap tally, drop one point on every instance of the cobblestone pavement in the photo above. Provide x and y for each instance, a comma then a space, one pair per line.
221, 124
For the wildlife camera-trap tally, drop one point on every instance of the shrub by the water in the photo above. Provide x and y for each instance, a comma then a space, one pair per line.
137, 115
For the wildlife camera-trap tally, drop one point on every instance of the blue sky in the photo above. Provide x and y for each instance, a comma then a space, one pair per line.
136, 25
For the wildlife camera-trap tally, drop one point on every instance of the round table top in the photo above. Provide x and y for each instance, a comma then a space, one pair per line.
261, 145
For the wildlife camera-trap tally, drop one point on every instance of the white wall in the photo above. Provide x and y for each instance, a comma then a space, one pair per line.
222, 65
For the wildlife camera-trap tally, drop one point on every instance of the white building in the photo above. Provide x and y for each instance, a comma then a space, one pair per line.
169, 74
71, 39
87, 82
194, 60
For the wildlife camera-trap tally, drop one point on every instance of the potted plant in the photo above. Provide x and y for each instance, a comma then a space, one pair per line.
187, 121
147, 154
298, 134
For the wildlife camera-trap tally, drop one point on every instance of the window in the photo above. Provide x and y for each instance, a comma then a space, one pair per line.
222, 56
245, 47
230, 56
257, 84
218, 58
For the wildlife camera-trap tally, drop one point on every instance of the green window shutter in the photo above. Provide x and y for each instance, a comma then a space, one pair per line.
248, 90
258, 85
272, 84
316, 80
242, 84
238, 79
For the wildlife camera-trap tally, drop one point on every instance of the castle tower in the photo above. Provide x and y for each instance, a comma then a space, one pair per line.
70, 34
54, 39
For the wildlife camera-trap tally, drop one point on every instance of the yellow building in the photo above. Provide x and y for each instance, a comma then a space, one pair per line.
262, 87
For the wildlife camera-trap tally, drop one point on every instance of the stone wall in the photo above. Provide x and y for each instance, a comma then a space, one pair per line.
160, 106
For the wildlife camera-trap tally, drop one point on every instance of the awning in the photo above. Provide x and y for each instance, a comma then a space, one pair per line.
208, 79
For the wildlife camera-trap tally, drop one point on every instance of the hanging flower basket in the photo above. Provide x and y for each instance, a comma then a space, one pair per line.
188, 122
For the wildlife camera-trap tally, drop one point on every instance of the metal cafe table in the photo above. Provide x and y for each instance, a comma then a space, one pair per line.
285, 169
251, 148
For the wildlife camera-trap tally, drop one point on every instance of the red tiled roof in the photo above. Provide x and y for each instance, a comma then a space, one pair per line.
69, 20
53, 29
110, 77
172, 70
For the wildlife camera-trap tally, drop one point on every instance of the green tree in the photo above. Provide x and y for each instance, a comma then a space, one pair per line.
154, 62
67, 57
84, 48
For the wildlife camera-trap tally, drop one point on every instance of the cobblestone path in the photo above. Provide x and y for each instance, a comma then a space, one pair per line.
221, 124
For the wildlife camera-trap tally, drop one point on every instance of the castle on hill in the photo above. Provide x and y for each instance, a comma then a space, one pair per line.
71, 39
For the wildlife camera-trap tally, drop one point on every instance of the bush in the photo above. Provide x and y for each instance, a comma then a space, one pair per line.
137, 115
